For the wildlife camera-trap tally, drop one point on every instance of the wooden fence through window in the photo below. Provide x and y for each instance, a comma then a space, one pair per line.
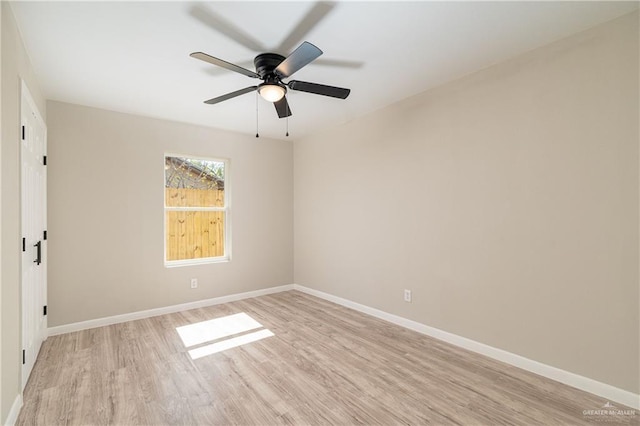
194, 234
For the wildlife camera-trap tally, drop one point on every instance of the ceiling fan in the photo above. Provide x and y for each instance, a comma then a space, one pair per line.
272, 69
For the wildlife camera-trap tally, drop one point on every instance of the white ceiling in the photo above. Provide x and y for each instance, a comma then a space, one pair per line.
134, 57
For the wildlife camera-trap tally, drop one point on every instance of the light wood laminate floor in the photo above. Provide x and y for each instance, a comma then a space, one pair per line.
324, 364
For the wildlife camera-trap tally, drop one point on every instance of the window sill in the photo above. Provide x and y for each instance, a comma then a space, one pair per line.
192, 262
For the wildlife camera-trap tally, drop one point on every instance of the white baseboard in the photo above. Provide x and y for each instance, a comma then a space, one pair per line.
116, 319
14, 412
586, 384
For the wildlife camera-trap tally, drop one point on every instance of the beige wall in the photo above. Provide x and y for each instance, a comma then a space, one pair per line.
507, 201
106, 244
15, 65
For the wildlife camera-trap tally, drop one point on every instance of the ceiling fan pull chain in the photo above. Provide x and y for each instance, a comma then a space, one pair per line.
257, 135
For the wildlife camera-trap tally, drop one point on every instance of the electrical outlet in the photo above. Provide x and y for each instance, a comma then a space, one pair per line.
194, 283
407, 295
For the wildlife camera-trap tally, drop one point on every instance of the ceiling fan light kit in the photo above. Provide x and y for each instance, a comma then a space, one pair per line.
272, 68
271, 92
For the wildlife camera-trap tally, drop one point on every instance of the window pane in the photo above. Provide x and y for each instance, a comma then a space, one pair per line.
194, 234
193, 182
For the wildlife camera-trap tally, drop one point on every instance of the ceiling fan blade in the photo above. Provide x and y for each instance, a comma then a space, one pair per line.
300, 57
282, 107
224, 64
319, 89
308, 22
216, 71
218, 23
231, 95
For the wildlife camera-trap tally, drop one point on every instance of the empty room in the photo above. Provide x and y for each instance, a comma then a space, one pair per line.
306, 213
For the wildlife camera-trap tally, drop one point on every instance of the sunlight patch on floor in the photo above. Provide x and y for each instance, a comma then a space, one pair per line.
221, 329
229, 343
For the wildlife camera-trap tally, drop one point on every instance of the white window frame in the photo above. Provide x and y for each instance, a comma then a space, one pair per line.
226, 209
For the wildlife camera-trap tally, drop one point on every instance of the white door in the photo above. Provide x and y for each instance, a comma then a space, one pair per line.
33, 135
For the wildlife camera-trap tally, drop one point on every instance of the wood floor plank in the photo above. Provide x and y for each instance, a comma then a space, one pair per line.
324, 364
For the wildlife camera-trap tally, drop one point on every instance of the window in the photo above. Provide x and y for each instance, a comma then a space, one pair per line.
196, 210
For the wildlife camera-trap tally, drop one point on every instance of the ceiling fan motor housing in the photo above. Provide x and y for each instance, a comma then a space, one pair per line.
266, 63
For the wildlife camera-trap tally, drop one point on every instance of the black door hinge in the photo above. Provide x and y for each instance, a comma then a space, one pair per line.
24, 244
44, 236
24, 357
44, 310
23, 133
44, 160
